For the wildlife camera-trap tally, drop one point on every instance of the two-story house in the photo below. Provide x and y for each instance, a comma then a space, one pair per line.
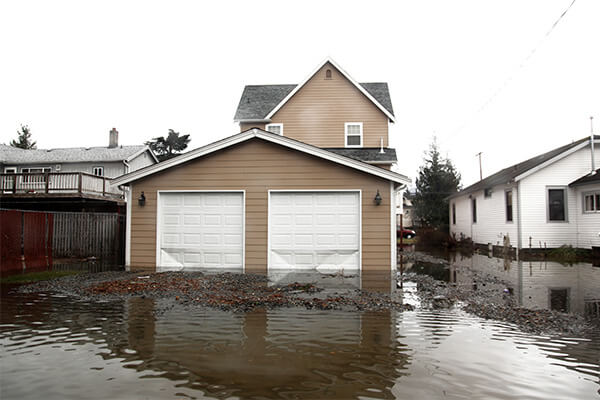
305, 185
68, 179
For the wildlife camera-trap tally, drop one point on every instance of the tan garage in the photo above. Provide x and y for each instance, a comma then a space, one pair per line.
256, 201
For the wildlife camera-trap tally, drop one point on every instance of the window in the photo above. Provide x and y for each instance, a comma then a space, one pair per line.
354, 131
487, 193
453, 213
275, 128
557, 204
509, 205
98, 171
328, 74
591, 202
35, 178
474, 209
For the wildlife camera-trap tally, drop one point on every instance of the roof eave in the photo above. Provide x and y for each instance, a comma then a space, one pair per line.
281, 140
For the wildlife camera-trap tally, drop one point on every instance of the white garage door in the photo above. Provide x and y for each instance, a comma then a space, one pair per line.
201, 230
314, 230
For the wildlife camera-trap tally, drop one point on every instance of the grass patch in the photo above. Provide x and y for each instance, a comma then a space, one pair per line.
567, 255
36, 276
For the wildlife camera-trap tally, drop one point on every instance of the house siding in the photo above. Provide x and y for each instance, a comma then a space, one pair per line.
588, 223
491, 226
317, 112
257, 167
141, 161
534, 208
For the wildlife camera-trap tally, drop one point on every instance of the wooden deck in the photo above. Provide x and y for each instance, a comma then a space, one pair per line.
59, 184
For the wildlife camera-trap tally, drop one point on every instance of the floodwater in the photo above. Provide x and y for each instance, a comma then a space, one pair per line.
55, 347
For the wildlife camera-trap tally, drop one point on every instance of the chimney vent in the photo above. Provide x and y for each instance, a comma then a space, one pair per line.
113, 138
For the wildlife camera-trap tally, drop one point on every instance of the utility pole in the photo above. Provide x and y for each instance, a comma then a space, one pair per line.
480, 170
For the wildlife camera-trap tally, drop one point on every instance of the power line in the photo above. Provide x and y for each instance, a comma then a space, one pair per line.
511, 76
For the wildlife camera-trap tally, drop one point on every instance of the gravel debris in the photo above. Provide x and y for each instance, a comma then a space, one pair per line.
226, 291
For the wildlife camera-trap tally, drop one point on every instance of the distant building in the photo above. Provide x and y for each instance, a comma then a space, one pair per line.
547, 201
68, 179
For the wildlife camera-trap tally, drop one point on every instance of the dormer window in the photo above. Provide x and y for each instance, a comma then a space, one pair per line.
328, 74
275, 128
353, 134
98, 171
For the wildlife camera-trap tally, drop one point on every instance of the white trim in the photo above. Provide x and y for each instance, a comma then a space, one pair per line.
128, 230
270, 137
360, 226
30, 168
15, 169
146, 148
554, 159
158, 222
356, 84
346, 125
267, 126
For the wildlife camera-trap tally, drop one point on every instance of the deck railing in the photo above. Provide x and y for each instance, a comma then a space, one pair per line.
79, 183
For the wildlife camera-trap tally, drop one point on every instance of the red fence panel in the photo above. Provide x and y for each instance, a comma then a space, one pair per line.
11, 228
34, 239
49, 237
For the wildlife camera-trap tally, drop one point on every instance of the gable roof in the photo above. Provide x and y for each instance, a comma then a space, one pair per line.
521, 170
269, 137
260, 102
15, 156
592, 177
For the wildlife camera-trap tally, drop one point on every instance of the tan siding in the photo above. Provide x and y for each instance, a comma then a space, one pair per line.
244, 126
275, 168
317, 112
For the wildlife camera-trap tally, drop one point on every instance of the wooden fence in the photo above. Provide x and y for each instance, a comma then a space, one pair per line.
32, 239
100, 235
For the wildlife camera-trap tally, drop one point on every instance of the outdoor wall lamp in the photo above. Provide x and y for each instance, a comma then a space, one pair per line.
377, 198
142, 200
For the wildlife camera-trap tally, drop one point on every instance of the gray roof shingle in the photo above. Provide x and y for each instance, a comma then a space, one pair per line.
587, 179
509, 174
367, 154
16, 156
258, 100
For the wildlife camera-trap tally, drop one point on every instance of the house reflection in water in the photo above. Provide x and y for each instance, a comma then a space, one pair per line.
302, 353
537, 284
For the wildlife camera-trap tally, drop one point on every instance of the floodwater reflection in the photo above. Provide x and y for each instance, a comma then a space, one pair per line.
537, 284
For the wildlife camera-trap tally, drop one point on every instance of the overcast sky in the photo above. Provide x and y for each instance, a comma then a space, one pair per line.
483, 76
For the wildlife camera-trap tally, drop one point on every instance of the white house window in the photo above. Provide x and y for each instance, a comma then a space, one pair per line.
328, 74
474, 210
591, 202
35, 178
557, 204
509, 205
98, 171
487, 193
275, 128
354, 134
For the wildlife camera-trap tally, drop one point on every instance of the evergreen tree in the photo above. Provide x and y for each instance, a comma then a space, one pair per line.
437, 180
166, 148
24, 139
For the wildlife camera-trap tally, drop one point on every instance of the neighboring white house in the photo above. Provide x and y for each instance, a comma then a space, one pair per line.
547, 201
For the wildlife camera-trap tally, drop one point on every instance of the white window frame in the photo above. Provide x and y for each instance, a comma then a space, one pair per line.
512, 206
595, 205
277, 125
99, 168
346, 125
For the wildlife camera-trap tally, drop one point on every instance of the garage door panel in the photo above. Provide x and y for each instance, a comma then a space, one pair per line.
201, 230
309, 230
